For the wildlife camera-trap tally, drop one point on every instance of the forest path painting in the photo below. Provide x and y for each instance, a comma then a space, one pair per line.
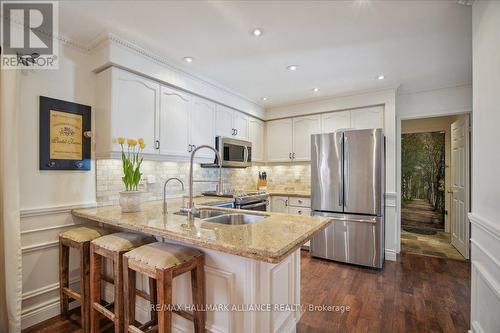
423, 184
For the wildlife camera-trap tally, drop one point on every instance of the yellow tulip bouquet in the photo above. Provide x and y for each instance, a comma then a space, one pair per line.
132, 160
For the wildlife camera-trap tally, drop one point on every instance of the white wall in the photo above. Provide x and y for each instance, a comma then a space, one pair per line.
387, 98
485, 216
432, 103
46, 197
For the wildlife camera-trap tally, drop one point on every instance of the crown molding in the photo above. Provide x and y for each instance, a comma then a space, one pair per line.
111, 38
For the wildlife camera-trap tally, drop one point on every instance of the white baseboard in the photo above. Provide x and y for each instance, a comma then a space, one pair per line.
390, 255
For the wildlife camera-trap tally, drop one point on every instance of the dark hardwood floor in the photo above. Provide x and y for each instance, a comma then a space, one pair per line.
415, 294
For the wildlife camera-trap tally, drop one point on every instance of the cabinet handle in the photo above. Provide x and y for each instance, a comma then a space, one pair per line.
293, 156
157, 144
300, 201
236, 130
290, 155
300, 212
286, 203
190, 148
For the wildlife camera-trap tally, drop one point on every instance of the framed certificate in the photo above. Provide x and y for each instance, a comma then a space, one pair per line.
64, 135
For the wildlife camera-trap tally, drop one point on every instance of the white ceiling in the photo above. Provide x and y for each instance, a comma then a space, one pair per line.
339, 46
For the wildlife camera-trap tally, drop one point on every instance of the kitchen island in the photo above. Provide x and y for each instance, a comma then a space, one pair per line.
252, 270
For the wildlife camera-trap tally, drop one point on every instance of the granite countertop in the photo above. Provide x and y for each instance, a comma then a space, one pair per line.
271, 240
292, 193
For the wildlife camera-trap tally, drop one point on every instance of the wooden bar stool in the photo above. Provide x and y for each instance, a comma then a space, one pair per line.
78, 239
163, 262
112, 247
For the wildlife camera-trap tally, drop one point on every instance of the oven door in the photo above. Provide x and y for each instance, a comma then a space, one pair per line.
234, 153
259, 206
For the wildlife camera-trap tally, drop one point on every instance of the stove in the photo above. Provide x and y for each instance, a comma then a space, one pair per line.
254, 200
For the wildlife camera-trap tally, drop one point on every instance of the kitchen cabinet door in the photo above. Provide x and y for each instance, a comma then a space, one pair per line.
279, 140
240, 125
303, 127
256, 137
367, 118
174, 122
224, 121
279, 204
135, 108
203, 126
330, 122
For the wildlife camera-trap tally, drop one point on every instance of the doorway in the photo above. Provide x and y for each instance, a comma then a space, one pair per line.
434, 186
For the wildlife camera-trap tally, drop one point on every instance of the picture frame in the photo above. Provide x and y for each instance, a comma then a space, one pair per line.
65, 137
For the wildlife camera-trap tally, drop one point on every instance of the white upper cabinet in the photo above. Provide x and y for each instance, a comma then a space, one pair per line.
224, 121
303, 127
231, 123
279, 140
203, 126
330, 122
240, 125
367, 118
131, 113
174, 122
256, 136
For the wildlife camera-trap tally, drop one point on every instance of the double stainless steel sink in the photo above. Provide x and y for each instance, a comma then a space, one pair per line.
221, 217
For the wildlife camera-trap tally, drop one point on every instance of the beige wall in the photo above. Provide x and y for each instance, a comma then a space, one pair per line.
436, 124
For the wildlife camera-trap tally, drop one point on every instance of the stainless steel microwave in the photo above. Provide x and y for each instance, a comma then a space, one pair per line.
234, 153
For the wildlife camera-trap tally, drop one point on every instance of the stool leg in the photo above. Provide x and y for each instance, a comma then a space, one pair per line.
85, 285
152, 298
118, 273
63, 277
164, 291
95, 288
128, 294
198, 291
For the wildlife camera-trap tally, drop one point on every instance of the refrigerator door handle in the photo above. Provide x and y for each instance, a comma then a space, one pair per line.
346, 171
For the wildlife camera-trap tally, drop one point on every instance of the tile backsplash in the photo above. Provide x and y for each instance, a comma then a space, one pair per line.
292, 177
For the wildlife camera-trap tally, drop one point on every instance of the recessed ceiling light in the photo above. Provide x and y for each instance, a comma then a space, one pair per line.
315, 89
264, 98
257, 32
292, 67
188, 59
380, 77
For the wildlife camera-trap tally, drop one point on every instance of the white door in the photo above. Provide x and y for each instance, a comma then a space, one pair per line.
203, 126
224, 121
136, 103
174, 122
256, 137
279, 204
330, 122
279, 140
459, 225
367, 118
303, 127
240, 125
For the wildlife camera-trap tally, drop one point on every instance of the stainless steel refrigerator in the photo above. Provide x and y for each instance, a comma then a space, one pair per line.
347, 185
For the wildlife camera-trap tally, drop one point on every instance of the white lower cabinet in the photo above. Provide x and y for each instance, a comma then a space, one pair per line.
279, 204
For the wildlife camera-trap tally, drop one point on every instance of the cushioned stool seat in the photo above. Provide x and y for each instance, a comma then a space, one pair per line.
162, 255
122, 241
111, 247
162, 262
84, 234
79, 239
